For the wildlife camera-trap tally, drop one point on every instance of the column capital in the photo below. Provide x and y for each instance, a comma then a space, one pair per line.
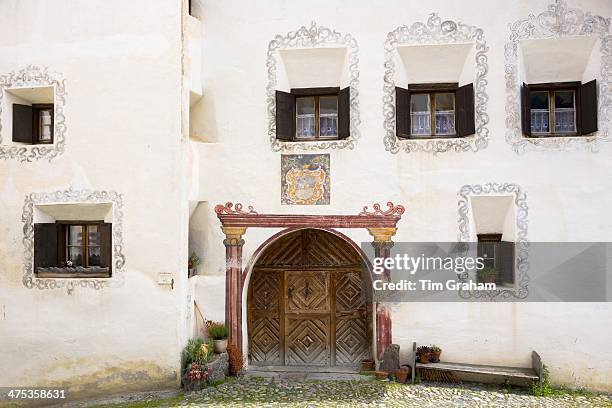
382, 234
233, 235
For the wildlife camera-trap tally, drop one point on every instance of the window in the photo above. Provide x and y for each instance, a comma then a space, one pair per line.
72, 249
498, 260
559, 109
435, 110
33, 124
310, 114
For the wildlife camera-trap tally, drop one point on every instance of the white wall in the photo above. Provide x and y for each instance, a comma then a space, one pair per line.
568, 193
122, 65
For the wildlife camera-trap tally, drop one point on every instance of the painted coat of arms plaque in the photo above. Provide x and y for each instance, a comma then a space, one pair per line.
305, 179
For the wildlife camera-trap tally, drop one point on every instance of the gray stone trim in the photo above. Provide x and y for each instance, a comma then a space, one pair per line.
29, 77
313, 36
521, 289
436, 31
558, 21
71, 196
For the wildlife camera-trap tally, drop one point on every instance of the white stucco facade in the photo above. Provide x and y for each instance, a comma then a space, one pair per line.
172, 114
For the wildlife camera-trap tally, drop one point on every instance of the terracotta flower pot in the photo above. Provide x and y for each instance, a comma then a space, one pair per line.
435, 356
401, 375
220, 346
367, 365
424, 358
381, 375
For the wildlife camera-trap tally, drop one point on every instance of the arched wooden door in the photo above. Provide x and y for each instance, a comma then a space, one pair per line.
307, 303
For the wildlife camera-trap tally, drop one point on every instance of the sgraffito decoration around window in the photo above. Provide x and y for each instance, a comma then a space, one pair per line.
31, 77
305, 37
521, 264
436, 31
558, 21
305, 179
30, 280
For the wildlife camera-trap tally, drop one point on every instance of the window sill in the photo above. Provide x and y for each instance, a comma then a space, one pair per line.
73, 272
429, 137
553, 135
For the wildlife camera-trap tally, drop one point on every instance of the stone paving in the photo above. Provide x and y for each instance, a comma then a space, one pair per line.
272, 392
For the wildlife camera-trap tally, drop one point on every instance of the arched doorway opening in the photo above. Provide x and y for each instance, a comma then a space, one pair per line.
307, 303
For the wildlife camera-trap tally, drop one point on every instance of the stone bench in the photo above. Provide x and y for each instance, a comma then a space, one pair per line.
533, 373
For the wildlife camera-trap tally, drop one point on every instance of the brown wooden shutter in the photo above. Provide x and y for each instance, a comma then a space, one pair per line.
23, 120
106, 245
465, 110
46, 245
506, 266
525, 110
402, 112
285, 116
588, 107
344, 113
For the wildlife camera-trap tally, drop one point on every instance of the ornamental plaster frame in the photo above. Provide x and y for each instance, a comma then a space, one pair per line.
313, 36
520, 290
558, 21
70, 196
34, 76
435, 31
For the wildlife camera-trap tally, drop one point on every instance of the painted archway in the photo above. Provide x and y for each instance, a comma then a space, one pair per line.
308, 294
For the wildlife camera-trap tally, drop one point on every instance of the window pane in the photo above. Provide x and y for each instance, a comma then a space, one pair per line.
445, 114
328, 115
538, 103
305, 117
93, 235
75, 235
94, 256
419, 114
75, 254
45, 125
564, 112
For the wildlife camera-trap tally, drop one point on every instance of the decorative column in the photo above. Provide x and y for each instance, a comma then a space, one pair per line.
382, 249
233, 282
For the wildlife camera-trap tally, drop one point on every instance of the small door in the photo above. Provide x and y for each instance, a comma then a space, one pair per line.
307, 318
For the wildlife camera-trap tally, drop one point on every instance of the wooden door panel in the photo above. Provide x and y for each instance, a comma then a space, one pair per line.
307, 292
307, 341
352, 343
265, 319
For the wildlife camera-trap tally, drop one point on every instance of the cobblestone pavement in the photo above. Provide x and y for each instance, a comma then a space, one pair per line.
270, 392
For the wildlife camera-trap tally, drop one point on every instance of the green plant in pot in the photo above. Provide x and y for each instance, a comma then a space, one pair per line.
192, 264
218, 332
422, 354
488, 274
435, 353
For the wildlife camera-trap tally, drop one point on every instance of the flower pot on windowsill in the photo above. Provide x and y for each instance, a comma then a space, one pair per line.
220, 346
367, 364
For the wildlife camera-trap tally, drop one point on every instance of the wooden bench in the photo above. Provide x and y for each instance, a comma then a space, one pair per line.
533, 373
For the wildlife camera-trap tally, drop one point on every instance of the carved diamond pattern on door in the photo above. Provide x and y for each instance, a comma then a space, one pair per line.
307, 341
351, 341
307, 292
265, 341
350, 295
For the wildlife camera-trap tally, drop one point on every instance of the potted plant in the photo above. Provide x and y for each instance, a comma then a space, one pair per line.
192, 264
488, 274
435, 353
381, 375
422, 354
367, 364
218, 332
401, 375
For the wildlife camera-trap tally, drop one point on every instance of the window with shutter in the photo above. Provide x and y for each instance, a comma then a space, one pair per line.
559, 109
434, 110
72, 249
498, 259
33, 124
306, 114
